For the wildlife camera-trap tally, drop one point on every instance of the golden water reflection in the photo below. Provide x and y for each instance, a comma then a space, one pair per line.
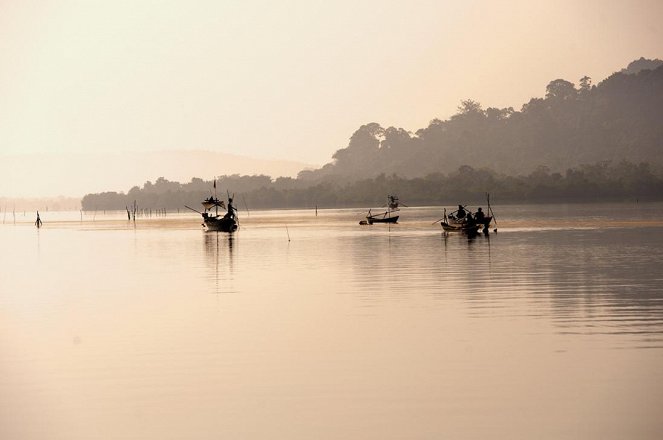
164, 331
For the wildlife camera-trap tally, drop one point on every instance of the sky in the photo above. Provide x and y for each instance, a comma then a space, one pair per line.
287, 80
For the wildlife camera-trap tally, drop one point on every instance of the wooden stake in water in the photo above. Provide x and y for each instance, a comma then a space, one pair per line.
287, 232
248, 213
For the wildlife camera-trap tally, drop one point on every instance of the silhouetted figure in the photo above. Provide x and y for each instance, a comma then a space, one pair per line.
231, 208
38, 221
461, 212
480, 217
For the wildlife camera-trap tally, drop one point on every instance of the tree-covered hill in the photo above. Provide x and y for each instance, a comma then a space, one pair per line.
618, 119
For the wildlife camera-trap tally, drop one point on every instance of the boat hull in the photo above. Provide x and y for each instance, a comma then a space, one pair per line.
371, 220
453, 225
220, 224
465, 229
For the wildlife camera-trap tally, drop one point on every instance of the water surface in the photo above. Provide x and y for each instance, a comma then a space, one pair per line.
550, 328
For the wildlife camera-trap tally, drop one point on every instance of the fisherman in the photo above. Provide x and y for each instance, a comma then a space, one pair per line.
461, 212
470, 222
480, 217
231, 208
38, 221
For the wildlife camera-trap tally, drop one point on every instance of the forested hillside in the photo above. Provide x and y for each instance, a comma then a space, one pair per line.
619, 119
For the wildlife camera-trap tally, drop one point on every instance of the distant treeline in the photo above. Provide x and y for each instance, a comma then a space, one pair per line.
600, 181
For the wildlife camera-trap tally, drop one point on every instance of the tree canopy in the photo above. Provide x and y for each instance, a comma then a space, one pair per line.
618, 119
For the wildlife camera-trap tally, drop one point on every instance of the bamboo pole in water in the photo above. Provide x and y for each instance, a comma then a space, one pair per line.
248, 213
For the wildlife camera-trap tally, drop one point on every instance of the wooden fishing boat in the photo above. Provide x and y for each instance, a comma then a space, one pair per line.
216, 222
465, 221
464, 227
471, 223
225, 223
384, 219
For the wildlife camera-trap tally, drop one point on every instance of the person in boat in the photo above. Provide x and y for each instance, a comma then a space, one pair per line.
460, 214
479, 217
470, 222
231, 209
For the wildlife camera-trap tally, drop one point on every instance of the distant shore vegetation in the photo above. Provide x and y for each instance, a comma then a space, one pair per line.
578, 143
602, 181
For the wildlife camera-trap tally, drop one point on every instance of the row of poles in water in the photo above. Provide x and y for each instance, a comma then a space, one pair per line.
132, 214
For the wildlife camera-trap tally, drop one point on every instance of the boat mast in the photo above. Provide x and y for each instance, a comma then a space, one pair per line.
216, 203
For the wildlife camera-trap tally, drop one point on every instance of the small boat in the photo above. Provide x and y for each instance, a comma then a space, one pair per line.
216, 222
464, 221
370, 219
465, 228
385, 217
225, 223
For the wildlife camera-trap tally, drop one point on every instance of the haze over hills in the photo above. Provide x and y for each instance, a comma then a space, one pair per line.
577, 143
72, 174
618, 119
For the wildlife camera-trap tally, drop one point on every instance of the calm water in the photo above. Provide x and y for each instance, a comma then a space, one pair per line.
550, 328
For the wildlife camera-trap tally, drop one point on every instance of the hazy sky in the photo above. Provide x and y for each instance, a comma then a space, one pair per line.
288, 79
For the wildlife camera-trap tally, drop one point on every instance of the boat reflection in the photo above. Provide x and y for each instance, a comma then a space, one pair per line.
219, 258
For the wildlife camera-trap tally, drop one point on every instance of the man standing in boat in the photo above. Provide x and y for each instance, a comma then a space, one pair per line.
231, 208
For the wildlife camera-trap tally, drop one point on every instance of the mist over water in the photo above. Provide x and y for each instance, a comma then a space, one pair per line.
550, 328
